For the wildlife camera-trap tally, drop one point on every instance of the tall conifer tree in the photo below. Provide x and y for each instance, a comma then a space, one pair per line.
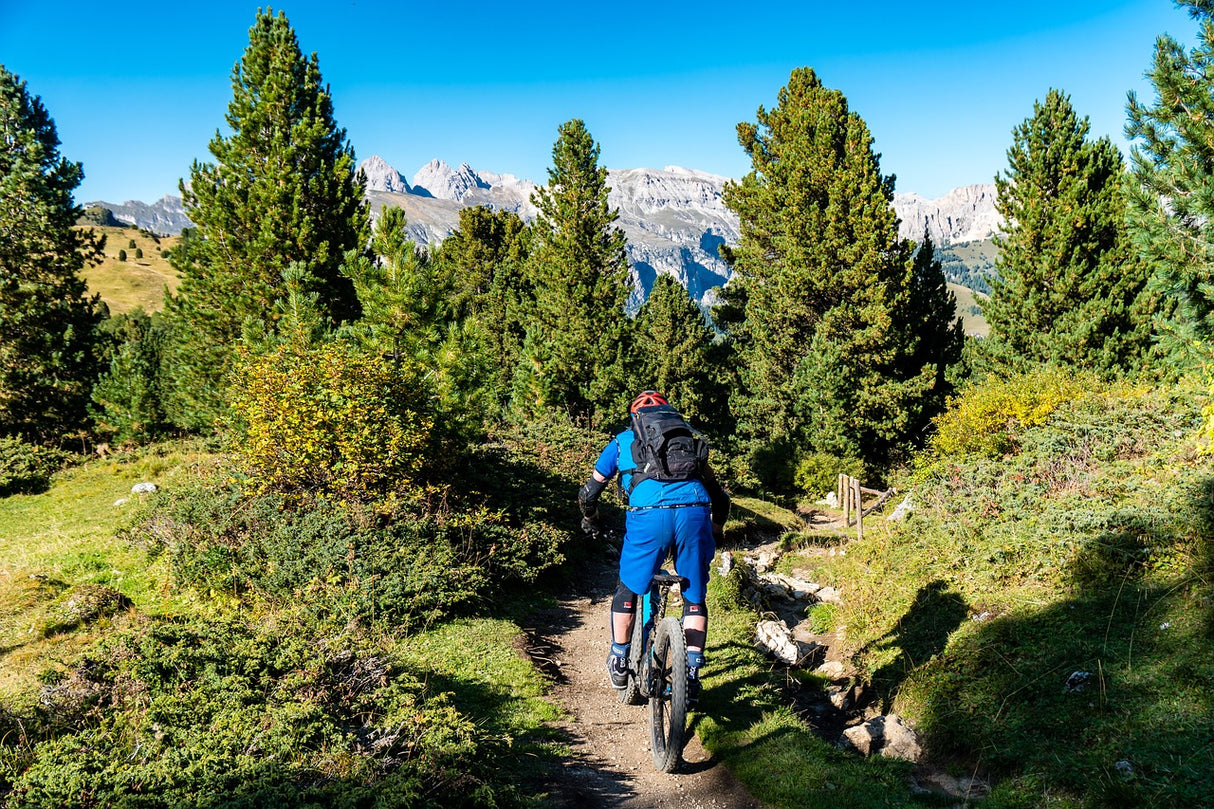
934, 336
819, 320
573, 355
1069, 290
48, 323
485, 259
283, 190
1171, 209
674, 351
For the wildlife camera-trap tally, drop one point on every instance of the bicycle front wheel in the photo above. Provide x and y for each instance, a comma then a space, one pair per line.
668, 695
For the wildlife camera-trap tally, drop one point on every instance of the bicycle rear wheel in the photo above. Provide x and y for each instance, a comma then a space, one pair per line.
631, 693
668, 695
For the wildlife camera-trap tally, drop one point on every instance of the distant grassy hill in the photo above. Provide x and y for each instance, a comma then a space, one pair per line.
140, 279
969, 307
969, 264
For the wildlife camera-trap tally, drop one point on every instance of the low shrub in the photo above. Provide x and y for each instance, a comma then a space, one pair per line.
333, 419
818, 473
27, 468
229, 713
989, 418
432, 556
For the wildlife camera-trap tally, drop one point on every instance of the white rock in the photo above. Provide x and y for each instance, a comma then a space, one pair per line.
829, 595
143, 488
440, 181
775, 638
964, 214
904, 508
887, 736
121, 501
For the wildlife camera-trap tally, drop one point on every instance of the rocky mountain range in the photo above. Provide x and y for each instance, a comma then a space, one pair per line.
674, 218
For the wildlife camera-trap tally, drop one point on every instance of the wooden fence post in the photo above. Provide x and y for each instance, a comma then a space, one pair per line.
859, 509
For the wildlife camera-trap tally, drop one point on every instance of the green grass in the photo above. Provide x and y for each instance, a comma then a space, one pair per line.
967, 299
258, 701
56, 541
1086, 549
136, 282
745, 721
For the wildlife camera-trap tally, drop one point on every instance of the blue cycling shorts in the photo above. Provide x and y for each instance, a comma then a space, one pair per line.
649, 532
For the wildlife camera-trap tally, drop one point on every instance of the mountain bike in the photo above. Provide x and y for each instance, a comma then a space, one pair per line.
657, 671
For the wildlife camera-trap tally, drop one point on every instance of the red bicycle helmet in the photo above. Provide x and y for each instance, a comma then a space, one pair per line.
647, 398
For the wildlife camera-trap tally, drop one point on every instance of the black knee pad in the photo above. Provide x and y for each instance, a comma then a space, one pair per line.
625, 600
690, 608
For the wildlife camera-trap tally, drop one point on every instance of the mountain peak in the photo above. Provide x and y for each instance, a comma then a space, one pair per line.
382, 177
439, 180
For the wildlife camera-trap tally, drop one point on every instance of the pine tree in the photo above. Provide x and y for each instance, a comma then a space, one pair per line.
485, 259
283, 190
573, 356
404, 298
674, 352
933, 333
128, 401
1069, 289
1171, 197
48, 323
819, 320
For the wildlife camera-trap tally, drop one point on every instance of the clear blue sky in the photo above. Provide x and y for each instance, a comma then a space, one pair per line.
138, 89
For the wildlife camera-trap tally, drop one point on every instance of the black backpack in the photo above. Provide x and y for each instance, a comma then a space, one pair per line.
665, 447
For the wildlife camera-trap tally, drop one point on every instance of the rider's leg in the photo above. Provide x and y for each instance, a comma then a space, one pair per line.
641, 556
622, 612
694, 547
695, 625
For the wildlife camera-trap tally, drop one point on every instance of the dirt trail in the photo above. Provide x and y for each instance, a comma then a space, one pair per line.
611, 765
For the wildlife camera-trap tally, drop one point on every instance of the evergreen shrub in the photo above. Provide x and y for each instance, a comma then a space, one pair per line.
27, 468
430, 557
333, 419
128, 400
228, 713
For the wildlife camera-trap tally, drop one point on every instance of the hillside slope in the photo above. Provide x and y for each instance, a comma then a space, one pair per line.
137, 280
1044, 616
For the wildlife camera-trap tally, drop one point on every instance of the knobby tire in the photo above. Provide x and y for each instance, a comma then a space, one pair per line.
668, 695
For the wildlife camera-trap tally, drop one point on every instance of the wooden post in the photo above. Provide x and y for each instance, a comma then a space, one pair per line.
859, 510
840, 496
847, 497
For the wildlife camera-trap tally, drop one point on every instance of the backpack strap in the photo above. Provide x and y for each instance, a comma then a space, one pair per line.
636, 475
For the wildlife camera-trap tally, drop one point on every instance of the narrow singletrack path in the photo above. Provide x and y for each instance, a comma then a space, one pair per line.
611, 764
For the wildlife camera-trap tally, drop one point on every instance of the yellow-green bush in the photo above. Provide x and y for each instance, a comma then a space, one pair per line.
818, 472
989, 418
332, 419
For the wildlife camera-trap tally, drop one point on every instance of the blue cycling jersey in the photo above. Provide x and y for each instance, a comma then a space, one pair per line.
617, 457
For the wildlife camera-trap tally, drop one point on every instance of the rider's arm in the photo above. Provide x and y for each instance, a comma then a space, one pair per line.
604, 468
588, 496
718, 496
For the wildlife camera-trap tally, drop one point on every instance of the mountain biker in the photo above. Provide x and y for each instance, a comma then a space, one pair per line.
686, 514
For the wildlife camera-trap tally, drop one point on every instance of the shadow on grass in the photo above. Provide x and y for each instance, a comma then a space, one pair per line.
1104, 694
920, 634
